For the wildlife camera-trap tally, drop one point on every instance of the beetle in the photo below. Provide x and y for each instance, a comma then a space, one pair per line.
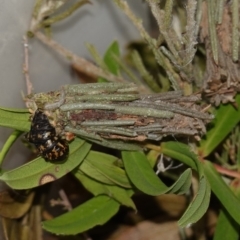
43, 135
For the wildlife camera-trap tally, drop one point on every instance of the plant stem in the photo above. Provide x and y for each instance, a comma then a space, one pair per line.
7, 145
78, 63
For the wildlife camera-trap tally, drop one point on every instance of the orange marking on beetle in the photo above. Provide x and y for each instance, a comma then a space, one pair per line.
69, 136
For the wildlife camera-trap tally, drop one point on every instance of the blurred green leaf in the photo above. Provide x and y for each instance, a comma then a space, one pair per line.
222, 191
226, 118
145, 179
12, 207
96, 188
94, 212
226, 226
110, 59
17, 119
198, 206
39, 172
200, 203
102, 167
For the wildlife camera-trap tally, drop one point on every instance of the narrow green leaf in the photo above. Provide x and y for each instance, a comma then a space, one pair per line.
222, 191
107, 165
182, 153
109, 58
226, 118
183, 184
198, 206
16, 120
96, 188
141, 174
226, 226
94, 212
144, 178
91, 171
39, 172
97, 57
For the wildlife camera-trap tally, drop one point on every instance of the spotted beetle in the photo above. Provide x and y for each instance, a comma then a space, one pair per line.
43, 135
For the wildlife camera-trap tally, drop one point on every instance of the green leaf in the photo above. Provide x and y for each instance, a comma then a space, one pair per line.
141, 174
96, 211
102, 167
226, 118
226, 226
110, 59
96, 188
198, 206
153, 157
144, 178
222, 191
14, 118
183, 184
39, 172
182, 153
200, 203
91, 171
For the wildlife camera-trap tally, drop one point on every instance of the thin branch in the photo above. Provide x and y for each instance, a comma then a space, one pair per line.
65, 200
148, 78
64, 15
227, 172
29, 84
96, 56
157, 13
79, 63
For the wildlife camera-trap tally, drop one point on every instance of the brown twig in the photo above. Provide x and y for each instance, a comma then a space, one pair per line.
79, 63
227, 172
29, 84
65, 200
